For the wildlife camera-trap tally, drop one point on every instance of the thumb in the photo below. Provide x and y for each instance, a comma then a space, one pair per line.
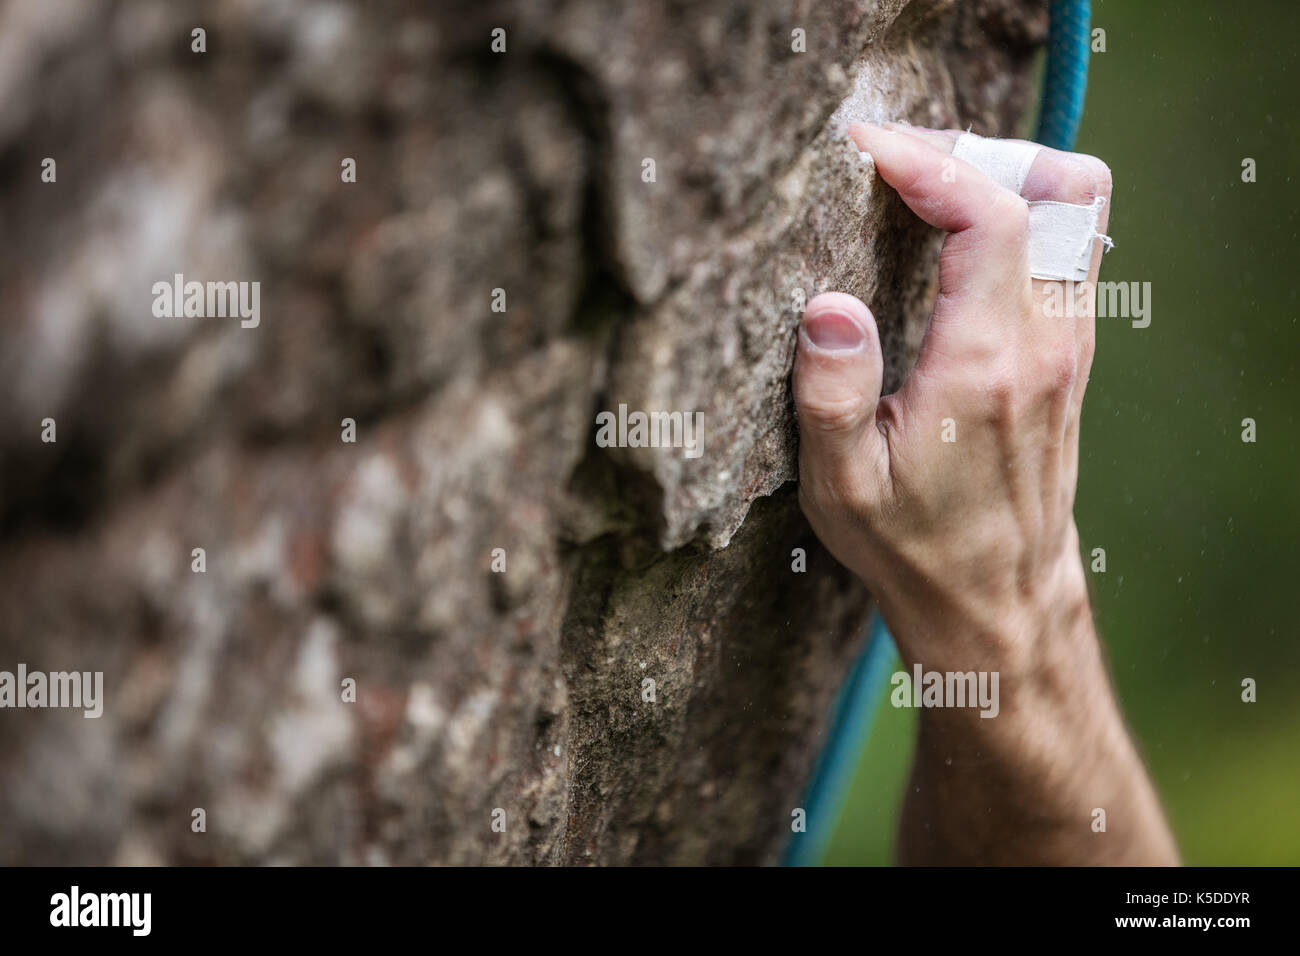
837, 378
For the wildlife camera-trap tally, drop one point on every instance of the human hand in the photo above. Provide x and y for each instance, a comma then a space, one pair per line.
953, 499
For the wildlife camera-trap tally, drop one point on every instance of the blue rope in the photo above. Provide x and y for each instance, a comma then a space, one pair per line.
855, 709
1064, 83
1065, 79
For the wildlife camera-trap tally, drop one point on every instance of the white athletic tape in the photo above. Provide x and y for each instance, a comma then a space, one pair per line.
1060, 234
1060, 239
1006, 163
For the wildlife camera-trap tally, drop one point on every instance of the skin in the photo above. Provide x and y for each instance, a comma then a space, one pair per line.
970, 546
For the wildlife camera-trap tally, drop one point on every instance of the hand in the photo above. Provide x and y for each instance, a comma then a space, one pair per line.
953, 500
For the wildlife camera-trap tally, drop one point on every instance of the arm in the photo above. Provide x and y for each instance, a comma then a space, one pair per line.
953, 500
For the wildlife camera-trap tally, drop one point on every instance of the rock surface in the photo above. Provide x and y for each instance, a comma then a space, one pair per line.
523, 171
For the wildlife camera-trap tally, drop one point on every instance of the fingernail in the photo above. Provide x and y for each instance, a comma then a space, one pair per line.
834, 331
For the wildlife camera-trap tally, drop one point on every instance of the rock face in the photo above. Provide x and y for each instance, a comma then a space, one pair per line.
653, 188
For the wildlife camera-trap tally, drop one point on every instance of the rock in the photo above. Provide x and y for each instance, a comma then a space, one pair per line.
647, 680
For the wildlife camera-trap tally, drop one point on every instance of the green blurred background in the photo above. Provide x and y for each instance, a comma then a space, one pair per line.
1201, 530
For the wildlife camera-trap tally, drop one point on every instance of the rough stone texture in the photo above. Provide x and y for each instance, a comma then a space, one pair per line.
477, 171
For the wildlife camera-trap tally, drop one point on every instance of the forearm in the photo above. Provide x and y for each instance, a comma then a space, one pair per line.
1024, 786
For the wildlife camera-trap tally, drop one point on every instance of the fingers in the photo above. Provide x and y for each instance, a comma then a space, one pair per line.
1057, 177
838, 371
1065, 314
1060, 177
1085, 332
908, 163
1056, 342
984, 267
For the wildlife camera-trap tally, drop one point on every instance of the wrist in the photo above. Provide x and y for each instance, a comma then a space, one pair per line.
1053, 692
1019, 627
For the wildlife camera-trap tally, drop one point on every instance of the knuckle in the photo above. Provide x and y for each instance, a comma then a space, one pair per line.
1100, 173
832, 414
1076, 182
1058, 369
1000, 391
